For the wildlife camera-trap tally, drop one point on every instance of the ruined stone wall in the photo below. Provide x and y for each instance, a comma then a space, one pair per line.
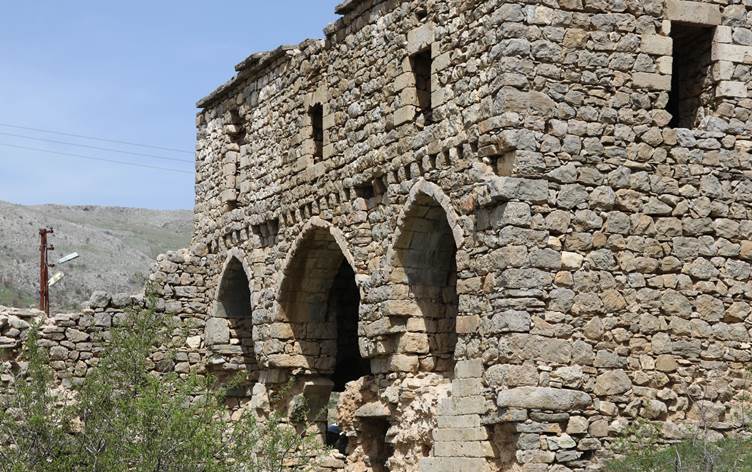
541, 259
74, 340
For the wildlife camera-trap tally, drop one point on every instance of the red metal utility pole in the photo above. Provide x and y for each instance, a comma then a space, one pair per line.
44, 276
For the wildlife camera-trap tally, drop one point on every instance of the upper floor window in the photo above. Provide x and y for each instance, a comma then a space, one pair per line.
692, 87
421, 66
316, 114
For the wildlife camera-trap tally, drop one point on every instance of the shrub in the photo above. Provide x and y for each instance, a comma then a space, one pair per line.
725, 455
125, 418
640, 452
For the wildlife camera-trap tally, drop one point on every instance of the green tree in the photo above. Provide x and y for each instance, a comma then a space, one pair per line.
124, 417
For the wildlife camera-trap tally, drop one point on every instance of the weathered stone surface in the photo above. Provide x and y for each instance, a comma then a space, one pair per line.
612, 383
217, 331
549, 224
544, 398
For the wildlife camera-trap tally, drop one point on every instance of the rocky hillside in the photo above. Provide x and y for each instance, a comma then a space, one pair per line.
117, 247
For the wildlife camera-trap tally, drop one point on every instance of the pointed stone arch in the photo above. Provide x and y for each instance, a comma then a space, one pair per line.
229, 331
313, 225
233, 292
318, 298
422, 269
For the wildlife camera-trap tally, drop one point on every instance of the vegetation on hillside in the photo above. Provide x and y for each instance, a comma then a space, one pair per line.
117, 248
125, 418
12, 296
639, 451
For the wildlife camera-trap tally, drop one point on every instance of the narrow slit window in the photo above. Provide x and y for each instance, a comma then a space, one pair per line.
317, 124
421, 64
692, 88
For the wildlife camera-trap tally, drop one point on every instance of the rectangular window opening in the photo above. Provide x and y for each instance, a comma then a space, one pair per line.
317, 123
691, 81
365, 191
421, 65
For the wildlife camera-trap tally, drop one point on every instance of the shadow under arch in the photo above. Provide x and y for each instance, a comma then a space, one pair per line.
229, 332
423, 274
319, 298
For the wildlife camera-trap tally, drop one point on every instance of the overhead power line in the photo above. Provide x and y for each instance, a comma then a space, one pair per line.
152, 156
91, 158
94, 138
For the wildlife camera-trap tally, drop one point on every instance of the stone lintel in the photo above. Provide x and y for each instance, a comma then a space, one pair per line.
420, 38
699, 13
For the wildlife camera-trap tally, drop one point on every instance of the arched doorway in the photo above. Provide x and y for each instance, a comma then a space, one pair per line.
234, 294
228, 333
424, 265
320, 300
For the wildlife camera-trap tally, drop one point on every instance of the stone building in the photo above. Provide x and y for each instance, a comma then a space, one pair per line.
500, 231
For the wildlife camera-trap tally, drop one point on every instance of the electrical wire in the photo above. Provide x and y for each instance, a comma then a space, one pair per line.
87, 146
115, 141
91, 158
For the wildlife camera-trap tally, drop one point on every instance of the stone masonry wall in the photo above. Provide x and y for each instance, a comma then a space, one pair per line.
539, 257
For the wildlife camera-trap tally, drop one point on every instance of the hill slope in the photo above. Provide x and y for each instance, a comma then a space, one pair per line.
117, 247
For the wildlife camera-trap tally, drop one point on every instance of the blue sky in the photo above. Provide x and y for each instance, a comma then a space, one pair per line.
127, 71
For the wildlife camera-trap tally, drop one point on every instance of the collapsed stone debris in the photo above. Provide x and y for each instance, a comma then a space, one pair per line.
490, 235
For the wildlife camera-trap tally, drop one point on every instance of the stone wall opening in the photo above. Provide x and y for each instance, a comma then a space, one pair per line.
229, 333
425, 272
316, 113
320, 300
234, 296
421, 66
692, 87
372, 436
343, 306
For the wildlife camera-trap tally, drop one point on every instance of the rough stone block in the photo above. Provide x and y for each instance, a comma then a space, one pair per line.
474, 405
468, 369
453, 464
513, 188
458, 421
420, 38
612, 383
467, 324
723, 34
656, 44
229, 195
372, 409
731, 52
217, 331
693, 12
722, 70
731, 88
463, 449
543, 398
460, 434
403, 363
651, 81
466, 387
404, 115
404, 80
